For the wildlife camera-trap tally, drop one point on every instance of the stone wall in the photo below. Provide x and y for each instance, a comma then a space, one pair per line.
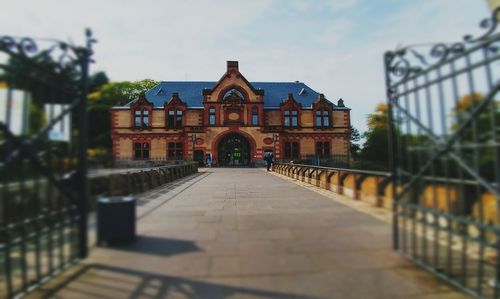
133, 182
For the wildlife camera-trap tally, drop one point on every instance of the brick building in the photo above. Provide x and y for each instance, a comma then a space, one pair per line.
233, 120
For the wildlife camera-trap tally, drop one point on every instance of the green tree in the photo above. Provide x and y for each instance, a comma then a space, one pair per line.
476, 141
100, 102
97, 80
374, 154
355, 138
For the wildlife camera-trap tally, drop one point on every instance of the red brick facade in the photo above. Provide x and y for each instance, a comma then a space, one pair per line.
235, 120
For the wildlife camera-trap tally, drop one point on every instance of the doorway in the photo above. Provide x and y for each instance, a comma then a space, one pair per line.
199, 157
234, 151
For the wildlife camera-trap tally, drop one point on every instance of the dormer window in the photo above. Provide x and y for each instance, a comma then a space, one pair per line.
174, 112
322, 118
291, 118
141, 111
141, 118
174, 118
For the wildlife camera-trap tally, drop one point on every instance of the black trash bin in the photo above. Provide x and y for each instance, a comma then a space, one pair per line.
116, 219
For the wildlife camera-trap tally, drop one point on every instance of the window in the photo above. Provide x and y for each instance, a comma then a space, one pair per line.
137, 118
291, 150
255, 116
141, 151
174, 151
141, 118
322, 118
211, 116
178, 120
323, 148
287, 118
295, 121
291, 118
174, 119
233, 94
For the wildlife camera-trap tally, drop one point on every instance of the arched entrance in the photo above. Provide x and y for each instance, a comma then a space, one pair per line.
234, 150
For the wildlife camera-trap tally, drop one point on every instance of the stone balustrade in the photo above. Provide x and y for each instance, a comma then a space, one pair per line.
375, 187
137, 181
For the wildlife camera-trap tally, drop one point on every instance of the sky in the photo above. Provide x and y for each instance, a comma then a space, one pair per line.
334, 46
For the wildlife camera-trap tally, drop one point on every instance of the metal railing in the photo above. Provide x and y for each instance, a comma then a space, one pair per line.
444, 116
43, 168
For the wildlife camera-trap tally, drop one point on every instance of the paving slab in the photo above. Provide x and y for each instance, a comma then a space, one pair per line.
245, 233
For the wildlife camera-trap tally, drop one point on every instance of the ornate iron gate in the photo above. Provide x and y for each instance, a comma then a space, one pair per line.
444, 135
43, 87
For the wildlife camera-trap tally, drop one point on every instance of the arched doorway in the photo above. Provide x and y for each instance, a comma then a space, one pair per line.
234, 150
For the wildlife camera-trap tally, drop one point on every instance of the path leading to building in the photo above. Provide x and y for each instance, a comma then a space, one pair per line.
245, 233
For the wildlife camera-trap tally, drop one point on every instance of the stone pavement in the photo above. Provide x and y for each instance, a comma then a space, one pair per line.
245, 233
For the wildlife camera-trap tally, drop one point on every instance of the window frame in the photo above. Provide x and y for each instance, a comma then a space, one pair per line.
212, 116
140, 114
323, 148
141, 150
291, 118
291, 150
174, 118
175, 150
255, 116
322, 118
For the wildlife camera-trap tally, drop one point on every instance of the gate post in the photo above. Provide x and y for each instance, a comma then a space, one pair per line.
84, 57
392, 158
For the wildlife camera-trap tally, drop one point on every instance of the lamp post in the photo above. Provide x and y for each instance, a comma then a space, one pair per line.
193, 139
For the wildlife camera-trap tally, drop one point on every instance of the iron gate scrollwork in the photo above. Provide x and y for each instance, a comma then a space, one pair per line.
43, 188
444, 135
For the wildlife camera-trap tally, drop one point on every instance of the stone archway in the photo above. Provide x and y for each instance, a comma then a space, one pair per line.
234, 148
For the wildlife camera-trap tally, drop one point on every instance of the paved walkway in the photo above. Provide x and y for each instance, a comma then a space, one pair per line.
245, 233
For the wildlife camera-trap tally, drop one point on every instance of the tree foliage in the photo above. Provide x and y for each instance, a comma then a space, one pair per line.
355, 138
118, 93
476, 141
49, 81
374, 154
100, 102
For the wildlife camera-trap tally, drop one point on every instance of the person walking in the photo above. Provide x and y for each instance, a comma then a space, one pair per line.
269, 160
209, 160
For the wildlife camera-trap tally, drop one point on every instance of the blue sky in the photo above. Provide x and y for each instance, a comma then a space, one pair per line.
334, 46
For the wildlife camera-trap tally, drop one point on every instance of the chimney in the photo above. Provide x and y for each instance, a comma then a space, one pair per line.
340, 103
232, 66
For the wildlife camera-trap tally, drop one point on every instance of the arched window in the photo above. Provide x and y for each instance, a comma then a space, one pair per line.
211, 116
255, 116
174, 118
322, 118
141, 118
233, 94
291, 118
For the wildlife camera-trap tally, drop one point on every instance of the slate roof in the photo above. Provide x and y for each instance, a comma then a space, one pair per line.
191, 92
